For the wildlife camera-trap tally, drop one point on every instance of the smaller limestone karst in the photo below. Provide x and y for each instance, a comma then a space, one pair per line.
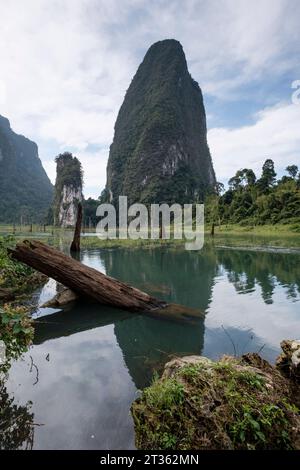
68, 190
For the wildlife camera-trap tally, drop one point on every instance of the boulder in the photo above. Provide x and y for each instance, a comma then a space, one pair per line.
62, 298
289, 360
232, 404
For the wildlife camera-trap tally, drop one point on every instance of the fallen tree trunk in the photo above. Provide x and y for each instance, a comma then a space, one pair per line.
83, 280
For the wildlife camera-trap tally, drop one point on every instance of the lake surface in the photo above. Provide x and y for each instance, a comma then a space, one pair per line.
88, 362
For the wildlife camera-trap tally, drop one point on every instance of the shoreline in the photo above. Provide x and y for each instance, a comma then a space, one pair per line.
271, 237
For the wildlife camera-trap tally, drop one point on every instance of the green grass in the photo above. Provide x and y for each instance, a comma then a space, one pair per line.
286, 229
277, 236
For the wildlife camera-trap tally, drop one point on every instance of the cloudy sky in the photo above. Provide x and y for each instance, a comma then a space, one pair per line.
66, 65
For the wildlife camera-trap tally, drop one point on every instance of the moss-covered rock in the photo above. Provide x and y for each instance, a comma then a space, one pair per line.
231, 404
289, 360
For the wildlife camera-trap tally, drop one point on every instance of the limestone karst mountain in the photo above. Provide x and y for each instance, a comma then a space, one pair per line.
68, 190
160, 152
25, 189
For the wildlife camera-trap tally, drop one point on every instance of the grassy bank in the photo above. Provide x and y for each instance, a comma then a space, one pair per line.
278, 236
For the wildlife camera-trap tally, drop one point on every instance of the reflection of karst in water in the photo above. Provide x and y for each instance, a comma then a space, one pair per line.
187, 279
147, 344
246, 269
180, 276
16, 423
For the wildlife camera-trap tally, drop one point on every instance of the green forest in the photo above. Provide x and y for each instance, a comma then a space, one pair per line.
254, 201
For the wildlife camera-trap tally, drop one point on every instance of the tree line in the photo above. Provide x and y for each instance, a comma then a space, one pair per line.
256, 201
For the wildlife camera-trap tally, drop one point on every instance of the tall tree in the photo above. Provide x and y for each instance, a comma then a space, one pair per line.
292, 170
250, 176
235, 182
220, 188
268, 176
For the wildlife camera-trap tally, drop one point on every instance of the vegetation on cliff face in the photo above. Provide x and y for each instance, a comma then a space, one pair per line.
159, 152
68, 189
231, 404
25, 189
252, 201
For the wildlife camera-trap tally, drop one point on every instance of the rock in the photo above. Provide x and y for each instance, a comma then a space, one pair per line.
289, 360
179, 362
62, 298
159, 151
232, 404
256, 361
68, 190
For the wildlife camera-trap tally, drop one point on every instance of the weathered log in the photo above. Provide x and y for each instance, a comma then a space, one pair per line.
83, 280
75, 246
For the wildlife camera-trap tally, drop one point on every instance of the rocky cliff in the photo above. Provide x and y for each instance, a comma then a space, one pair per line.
68, 190
160, 152
25, 189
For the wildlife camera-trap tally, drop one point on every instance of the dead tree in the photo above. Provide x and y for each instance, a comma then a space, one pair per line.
75, 245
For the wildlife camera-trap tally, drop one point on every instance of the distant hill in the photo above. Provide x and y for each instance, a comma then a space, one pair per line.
25, 189
160, 152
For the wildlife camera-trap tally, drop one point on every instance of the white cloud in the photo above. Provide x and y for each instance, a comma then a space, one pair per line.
73, 129
244, 312
2, 92
275, 134
66, 64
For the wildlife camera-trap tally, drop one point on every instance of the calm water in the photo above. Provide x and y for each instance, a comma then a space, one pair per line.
87, 363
